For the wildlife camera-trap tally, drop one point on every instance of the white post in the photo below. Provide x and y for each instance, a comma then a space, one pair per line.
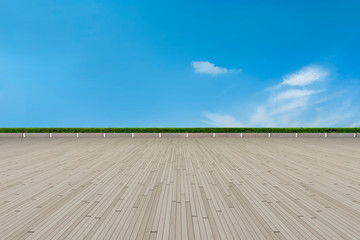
50, 135
132, 135
104, 135
77, 135
24, 135
159, 135
241, 134
354, 134
187, 135
326, 135
214, 134
296, 134
269, 135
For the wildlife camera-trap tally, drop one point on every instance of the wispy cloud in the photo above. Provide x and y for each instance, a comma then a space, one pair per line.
297, 101
220, 120
291, 94
305, 76
289, 101
205, 67
336, 115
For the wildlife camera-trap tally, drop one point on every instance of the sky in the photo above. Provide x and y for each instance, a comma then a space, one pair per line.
179, 63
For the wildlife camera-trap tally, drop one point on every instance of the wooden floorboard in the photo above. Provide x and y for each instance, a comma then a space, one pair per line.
180, 188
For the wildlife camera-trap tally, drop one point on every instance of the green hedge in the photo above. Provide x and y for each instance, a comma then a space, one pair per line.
174, 130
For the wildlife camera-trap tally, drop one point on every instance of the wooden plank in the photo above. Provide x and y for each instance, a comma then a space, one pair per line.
185, 188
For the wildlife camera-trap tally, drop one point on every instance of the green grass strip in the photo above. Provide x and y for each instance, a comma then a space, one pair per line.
176, 130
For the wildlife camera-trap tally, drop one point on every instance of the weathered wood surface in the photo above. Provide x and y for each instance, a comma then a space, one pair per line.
179, 188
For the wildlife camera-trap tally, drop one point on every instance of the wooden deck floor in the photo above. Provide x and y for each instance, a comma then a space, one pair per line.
201, 188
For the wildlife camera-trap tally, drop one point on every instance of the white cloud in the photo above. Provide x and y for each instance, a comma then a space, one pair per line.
305, 76
220, 120
283, 108
297, 104
291, 94
337, 118
287, 115
262, 118
337, 114
205, 67
290, 104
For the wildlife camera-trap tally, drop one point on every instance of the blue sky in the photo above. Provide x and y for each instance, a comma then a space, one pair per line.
179, 63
